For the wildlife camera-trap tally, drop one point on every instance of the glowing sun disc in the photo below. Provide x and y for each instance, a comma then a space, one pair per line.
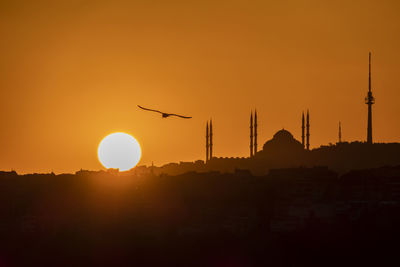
119, 151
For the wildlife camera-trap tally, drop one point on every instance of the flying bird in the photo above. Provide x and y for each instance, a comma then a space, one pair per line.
163, 114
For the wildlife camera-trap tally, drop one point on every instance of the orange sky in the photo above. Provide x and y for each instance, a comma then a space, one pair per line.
73, 71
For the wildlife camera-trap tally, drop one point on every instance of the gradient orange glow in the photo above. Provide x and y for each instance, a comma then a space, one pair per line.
74, 71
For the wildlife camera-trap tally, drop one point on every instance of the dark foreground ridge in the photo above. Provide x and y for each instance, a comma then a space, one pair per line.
290, 217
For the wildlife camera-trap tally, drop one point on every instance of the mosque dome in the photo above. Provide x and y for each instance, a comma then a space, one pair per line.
283, 135
283, 140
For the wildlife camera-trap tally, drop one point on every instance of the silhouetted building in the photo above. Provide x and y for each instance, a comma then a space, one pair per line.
282, 142
282, 151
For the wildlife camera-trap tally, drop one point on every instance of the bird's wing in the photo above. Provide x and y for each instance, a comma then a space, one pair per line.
148, 109
171, 114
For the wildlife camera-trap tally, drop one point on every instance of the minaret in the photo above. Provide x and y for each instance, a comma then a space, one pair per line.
302, 130
251, 134
308, 131
211, 141
207, 143
255, 131
340, 132
369, 100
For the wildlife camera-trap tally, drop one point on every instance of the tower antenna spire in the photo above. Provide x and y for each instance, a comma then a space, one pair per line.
369, 100
340, 132
369, 72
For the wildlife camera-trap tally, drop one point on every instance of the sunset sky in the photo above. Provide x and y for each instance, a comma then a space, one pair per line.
72, 72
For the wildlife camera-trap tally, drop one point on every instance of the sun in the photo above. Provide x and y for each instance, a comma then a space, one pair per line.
119, 151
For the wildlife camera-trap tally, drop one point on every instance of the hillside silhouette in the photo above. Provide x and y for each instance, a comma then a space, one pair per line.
284, 151
290, 217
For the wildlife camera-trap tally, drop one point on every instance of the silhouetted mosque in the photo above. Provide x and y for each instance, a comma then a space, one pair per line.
284, 151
